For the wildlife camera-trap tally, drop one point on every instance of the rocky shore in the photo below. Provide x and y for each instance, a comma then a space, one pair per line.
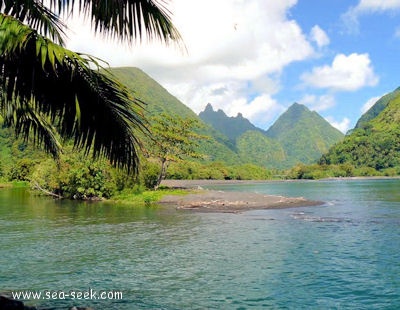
203, 200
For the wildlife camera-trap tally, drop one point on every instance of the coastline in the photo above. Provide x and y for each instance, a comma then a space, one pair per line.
205, 200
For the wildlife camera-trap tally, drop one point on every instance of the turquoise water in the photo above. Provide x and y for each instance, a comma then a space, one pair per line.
341, 255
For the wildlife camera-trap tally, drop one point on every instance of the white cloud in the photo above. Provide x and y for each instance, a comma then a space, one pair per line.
343, 125
230, 43
369, 104
319, 36
318, 103
351, 17
377, 5
347, 73
260, 111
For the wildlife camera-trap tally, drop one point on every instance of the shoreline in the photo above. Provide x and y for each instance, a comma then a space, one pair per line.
218, 201
190, 184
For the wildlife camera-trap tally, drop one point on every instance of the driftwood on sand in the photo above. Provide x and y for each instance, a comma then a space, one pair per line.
228, 201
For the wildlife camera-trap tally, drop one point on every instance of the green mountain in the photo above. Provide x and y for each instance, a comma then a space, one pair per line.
298, 135
303, 134
231, 140
158, 100
377, 108
255, 147
375, 144
231, 127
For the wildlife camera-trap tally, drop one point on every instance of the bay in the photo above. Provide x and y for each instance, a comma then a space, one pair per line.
341, 255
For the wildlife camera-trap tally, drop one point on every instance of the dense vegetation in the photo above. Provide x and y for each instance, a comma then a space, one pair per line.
256, 147
298, 136
376, 144
203, 152
377, 108
51, 93
371, 149
304, 135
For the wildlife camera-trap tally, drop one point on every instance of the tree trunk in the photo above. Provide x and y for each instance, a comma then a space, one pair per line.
161, 176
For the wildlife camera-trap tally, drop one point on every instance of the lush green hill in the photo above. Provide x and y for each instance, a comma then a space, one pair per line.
231, 127
299, 135
376, 144
159, 100
144, 87
256, 147
303, 134
377, 108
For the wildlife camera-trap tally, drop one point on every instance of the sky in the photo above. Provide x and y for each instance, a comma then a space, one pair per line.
257, 57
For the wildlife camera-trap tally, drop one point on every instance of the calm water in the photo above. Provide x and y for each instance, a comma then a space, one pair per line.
342, 255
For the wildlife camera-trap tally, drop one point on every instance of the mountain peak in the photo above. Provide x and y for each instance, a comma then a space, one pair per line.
304, 134
209, 108
231, 127
297, 109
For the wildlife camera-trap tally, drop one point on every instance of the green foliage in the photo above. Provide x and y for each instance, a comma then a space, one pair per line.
315, 171
256, 148
173, 139
149, 174
48, 92
144, 197
76, 177
22, 170
376, 109
304, 135
88, 180
217, 171
375, 145
160, 101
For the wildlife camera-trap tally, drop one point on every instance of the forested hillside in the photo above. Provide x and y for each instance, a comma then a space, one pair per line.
375, 143
377, 108
303, 134
298, 136
158, 100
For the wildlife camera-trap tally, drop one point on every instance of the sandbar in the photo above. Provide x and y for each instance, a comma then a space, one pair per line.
205, 200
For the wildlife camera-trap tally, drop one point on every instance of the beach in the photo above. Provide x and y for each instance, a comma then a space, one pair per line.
205, 200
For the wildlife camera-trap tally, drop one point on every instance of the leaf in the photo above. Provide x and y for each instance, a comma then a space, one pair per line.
88, 105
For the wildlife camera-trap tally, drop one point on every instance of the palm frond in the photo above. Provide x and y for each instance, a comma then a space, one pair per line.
37, 16
128, 20
27, 121
84, 102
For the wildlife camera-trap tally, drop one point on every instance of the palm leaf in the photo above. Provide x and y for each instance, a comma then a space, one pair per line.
37, 16
84, 102
26, 120
125, 19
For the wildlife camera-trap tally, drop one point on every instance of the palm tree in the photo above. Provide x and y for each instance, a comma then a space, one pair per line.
52, 93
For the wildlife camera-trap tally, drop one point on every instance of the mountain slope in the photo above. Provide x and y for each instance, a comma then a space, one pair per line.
377, 108
158, 100
304, 135
256, 147
231, 127
376, 144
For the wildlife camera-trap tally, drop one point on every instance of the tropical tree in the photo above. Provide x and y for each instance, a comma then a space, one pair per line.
52, 93
173, 139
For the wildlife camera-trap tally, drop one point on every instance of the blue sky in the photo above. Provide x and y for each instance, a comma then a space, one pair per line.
257, 57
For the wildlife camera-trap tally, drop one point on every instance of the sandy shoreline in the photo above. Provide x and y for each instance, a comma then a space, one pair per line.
203, 200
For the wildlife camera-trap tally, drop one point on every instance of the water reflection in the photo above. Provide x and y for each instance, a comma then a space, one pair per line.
340, 255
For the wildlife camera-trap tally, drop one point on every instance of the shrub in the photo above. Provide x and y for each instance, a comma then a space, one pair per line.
22, 170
